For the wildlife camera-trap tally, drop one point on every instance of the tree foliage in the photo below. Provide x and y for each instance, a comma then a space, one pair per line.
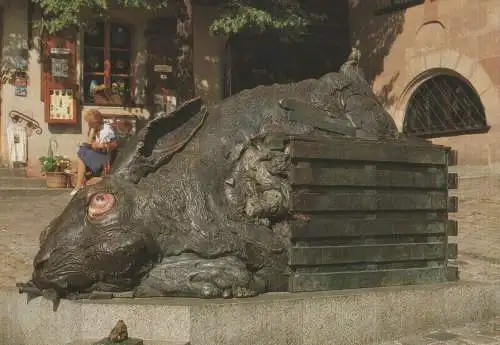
235, 15
61, 14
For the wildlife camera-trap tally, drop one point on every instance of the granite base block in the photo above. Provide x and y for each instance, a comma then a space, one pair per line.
351, 317
497, 301
143, 342
129, 341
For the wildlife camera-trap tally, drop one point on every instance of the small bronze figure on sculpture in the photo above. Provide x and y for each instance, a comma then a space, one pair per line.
119, 335
196, 203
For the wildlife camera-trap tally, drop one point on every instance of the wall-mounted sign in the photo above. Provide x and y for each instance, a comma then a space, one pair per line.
61, 104
165, 103
386, 6
21, 86
60, 51
162, 68
60, 68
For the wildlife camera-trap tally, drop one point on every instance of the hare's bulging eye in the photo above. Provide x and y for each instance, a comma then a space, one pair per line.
100, 204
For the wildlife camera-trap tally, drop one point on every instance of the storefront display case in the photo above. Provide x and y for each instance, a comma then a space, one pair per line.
60, 91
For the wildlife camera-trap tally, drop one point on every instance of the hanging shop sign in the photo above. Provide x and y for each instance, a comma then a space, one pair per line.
21, 86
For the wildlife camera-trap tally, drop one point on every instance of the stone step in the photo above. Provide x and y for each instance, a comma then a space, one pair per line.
21, 182
8, 172
13, 192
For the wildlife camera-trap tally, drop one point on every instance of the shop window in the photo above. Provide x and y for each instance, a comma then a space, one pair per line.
107, 70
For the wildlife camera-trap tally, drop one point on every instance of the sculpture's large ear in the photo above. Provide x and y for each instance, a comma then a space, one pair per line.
159, 140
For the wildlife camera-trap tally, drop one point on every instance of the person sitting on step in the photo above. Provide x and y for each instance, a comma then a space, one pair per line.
93, 154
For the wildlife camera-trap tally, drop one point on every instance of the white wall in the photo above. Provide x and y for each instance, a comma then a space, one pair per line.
207, 55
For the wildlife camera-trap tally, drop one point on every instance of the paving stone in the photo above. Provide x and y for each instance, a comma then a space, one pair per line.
442, 336
479, 218
22, 218
468, 334
129, 341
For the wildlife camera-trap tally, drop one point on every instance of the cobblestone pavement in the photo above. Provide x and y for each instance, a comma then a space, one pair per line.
479, 218
21, 221
478, 333
479, 260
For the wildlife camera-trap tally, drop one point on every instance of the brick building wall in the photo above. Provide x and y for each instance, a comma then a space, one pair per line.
404, 48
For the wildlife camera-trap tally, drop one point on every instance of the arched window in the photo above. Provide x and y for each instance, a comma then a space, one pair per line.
444, 105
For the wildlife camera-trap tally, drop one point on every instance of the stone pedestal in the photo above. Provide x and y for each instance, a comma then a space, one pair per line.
129, 341
344, 317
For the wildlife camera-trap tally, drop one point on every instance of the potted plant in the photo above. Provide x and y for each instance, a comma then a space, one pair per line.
55, 168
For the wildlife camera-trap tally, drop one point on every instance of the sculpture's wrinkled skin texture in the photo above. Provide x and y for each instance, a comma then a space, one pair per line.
196, 203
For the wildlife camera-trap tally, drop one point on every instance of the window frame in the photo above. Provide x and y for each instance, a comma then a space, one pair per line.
106, 74
423, 107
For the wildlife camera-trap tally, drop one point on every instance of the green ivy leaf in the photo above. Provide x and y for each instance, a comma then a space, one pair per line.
234, 15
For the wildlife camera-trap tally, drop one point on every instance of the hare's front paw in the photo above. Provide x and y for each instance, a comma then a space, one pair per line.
190, 275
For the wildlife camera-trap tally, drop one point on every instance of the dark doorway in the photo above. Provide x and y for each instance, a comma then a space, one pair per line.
444, 105
272, 57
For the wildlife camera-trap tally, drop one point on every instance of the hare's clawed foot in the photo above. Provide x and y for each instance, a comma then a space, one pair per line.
191, 276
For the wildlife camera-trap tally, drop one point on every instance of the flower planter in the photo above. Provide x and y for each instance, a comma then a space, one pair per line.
56, 179
57, 170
